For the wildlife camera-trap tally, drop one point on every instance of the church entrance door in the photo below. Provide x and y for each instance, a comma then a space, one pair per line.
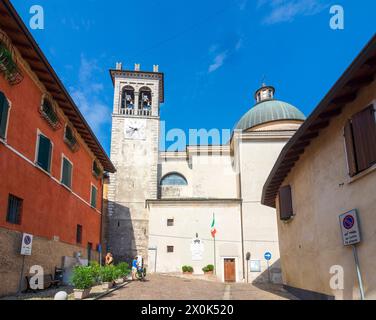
229, 268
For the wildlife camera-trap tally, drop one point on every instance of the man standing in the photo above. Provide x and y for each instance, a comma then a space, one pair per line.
134, 268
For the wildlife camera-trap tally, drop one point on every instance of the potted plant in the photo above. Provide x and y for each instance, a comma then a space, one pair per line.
187, 269
95, 269
108, 274
124, 271
209, 269
82, 281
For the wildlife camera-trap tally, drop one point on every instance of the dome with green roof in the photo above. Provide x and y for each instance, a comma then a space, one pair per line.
267, 109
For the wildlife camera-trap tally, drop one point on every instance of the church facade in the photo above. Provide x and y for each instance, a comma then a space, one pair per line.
166, 206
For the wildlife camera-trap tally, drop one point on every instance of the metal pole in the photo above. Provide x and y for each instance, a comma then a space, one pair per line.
21, 276
247, 271
156, 254
268, 271
358, 273
215, 259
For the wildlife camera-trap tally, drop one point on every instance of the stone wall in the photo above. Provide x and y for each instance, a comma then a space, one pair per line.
46, 253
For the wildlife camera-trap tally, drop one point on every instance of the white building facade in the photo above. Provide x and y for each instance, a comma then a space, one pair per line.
162, 204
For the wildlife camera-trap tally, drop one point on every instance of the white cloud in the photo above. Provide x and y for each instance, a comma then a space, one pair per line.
218, 62
87, 95
220, 56
288, 10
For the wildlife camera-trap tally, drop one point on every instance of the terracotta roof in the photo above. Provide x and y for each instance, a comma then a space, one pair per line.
21, 38
360, 73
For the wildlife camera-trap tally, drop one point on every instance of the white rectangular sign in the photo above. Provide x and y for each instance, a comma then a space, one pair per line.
350, 228
27, 244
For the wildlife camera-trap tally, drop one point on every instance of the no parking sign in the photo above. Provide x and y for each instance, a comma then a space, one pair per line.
350, 228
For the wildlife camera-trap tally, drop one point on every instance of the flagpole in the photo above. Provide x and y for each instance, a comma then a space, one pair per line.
215, 254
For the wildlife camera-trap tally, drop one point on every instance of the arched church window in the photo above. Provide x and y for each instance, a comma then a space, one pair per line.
145, 99
127, 98
174, 179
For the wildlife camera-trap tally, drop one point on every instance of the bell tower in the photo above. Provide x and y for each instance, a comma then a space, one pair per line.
134, 152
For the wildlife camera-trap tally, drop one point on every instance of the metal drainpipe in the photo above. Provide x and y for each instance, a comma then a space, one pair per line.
241, 214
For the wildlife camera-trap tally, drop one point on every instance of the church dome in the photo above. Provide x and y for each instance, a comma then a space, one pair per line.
267, 109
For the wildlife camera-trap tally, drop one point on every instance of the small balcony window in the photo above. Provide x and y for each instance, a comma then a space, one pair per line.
97, 171
70, 139
49, 113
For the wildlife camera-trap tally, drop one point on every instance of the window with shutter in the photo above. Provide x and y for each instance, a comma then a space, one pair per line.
14, 210
79, 234
66, 175
285, 203
44, 153
93, 199
4, 109
364, 133
350, 150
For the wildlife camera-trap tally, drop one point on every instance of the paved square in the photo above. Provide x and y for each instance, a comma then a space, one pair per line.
162, 287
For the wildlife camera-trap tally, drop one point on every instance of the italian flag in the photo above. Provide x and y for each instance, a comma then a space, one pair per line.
213, 229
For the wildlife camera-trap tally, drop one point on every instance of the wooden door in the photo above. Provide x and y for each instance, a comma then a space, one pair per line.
229, 268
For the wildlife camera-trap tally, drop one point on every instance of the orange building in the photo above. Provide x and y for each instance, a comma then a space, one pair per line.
51, 164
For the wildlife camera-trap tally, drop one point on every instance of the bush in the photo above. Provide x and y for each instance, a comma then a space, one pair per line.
108, 273
123, 269
187, 269
95, 269
82, 278
208, 268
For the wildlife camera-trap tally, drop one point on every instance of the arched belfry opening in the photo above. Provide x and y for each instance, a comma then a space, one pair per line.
127, 100
145, 101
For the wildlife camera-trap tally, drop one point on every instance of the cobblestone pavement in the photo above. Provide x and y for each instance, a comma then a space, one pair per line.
162, 287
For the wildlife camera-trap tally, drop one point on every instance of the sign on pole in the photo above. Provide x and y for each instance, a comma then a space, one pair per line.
350, 228
27, 244
268, 256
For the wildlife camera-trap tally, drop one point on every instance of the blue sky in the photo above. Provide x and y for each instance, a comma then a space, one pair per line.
214, 53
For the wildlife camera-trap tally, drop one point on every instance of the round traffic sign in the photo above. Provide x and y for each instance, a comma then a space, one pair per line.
27, 240
268, 256
348, 222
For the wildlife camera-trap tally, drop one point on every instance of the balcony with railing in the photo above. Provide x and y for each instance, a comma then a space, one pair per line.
136, 112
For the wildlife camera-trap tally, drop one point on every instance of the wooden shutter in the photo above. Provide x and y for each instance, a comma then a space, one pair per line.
93, 197
364, 131
285, 203
4, 108
67, 173
44, 153
350, 151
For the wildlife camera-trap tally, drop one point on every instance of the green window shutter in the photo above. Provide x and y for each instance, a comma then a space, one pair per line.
66, 178
93, 197
44, 153
4, 109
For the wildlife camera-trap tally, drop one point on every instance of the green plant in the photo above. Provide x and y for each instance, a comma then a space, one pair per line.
123, 269
208, 268
82, 277
8, 66
95, 269
187, 269
108, 273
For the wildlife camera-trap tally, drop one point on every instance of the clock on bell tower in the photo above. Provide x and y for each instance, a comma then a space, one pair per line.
134, 152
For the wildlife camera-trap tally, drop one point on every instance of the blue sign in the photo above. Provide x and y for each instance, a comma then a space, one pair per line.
268, 256
348, 222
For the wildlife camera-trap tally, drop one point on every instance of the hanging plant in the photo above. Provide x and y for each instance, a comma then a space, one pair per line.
8, 66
